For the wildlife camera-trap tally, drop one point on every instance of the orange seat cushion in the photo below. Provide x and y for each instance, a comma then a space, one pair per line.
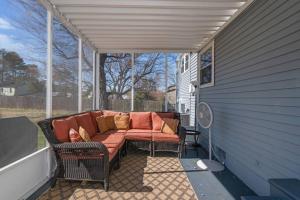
169, 126
138, 134
121, 122
94, 115
105, 123
112, 152
157, 119
163, 137
85, 121
110, 140
120, 132
140, 120
62, 127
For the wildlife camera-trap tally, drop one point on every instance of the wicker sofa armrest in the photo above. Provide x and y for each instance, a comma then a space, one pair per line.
182, 133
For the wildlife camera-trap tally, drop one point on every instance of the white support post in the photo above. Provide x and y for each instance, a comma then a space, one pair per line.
49, 65
166, 82
97, 93
132, 79
94, 79
79, 75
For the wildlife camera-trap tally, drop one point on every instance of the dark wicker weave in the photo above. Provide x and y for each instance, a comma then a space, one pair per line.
80, 160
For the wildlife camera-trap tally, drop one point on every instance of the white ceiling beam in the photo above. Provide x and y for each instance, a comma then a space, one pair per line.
102, 23
104, 37
142, 11
132, 17
149, 4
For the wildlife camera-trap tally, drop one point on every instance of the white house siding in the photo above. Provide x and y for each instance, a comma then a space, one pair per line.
256, 97
183, 82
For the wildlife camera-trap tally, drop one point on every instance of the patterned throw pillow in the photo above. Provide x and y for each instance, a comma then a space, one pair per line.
121, 122
169, 125
105, 123
74, 136
84, 134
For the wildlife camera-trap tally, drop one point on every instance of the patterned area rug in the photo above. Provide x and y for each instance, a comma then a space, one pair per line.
140, 177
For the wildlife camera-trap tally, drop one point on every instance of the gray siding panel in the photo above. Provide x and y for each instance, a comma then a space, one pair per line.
256, 97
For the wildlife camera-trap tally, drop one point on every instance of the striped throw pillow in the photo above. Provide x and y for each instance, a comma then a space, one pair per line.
75, 136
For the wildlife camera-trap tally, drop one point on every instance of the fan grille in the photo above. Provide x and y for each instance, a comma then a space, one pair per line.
204, 115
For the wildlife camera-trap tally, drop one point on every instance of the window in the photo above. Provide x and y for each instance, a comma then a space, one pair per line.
22, 77
184, 63
206, 72
65, 70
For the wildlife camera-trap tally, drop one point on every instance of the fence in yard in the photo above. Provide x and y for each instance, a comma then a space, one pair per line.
70, 104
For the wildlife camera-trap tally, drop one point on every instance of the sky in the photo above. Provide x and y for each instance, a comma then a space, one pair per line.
14, 39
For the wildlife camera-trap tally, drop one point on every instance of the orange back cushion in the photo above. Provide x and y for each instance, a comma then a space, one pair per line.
157, 119
62, 127
94, 115
121, 122
110, 113
75, 136
85, 121
169, 126
105, 123
140, 120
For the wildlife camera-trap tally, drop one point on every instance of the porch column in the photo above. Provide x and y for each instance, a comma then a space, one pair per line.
49, 65
79, 75
132, 80
97, 93
94, 79
166, 82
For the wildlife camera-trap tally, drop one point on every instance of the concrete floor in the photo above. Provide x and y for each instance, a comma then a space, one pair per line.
212, 185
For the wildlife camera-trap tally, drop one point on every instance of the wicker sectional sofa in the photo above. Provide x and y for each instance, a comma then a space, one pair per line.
93, 161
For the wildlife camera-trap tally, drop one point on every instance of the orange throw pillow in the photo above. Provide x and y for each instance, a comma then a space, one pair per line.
157, 119
105, 123
140, 120
84, 134
62, 127
75, 136
121, 122
169, 125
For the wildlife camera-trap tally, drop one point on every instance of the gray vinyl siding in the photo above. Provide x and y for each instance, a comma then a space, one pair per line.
183, 83
256, 97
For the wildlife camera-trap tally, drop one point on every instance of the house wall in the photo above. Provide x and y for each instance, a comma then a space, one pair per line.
256, 97
182, 84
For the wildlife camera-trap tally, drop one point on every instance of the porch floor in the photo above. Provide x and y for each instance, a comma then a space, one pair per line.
140, 177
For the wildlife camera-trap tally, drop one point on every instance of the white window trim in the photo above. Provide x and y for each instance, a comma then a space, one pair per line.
212, 83
184, 61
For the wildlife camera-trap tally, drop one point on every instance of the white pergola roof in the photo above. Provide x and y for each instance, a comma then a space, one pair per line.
146, 25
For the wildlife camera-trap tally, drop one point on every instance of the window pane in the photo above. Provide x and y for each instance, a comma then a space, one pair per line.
65, 70
87, 78
118, 68
206, 75
206, 58
186, 61
22, 77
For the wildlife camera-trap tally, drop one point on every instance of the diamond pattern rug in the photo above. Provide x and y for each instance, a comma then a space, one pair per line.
140, 177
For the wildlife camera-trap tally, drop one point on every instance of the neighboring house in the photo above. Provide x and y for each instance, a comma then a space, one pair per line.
255, 93
171, 98
7, 91
186, 76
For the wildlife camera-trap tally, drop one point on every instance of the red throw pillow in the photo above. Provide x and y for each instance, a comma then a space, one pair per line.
157, 119
62, 126
75, 136
85, 121
140, 120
